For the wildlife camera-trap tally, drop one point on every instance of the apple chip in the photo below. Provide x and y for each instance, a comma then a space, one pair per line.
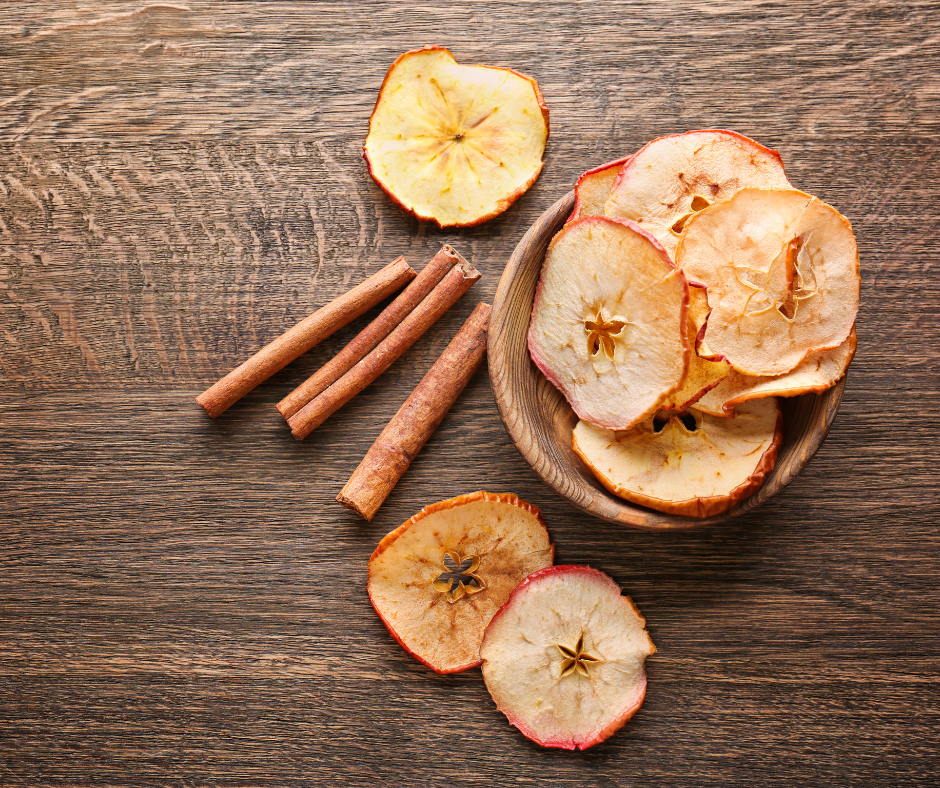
816, 373
452, 144
438, 579
704, 373
593, 188
608, 325
564, 658
695, 465
781, 269
672, 178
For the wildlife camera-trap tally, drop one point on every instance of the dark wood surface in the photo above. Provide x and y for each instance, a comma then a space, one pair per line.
182, 602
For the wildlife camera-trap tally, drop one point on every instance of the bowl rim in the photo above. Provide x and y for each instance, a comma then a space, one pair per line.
531, 443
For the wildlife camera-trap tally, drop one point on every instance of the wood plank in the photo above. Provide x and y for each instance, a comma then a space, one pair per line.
182, 601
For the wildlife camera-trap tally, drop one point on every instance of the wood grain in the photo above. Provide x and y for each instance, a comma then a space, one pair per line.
182, 601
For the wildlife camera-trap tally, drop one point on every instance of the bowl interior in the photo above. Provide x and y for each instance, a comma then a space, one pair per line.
539, 419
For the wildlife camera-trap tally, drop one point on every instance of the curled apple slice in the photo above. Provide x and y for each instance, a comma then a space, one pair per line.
816, 373
564, 657
704, 373
672, 178
438, 579
452, 144
697, 469
781, 269
593, 188
608, 325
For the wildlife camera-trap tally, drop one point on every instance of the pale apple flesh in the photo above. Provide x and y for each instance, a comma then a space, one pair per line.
438, 579
782, 274
564, 659
608, 325
695, 472
593, 188
454, 144
672, 178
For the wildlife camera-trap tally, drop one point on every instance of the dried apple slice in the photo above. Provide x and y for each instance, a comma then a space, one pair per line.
593, 188
697, 470
781, 269
816, 373
452, 144
438, 579
564, 657
608, 325
672, 178
704, 373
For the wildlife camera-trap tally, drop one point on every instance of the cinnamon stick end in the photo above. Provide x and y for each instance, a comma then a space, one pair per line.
366, 514
285, 409
209, 405
449, 250
468, 271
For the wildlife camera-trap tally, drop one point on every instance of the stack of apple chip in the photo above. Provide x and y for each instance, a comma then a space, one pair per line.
673, 313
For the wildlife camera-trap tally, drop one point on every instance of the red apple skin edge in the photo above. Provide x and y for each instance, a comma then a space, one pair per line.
627, 713
394, 535
577, 194
510, 198
540, 363
397, 639
708, 507
730, 133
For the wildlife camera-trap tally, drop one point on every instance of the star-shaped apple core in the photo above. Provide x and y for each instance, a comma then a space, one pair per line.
459, 580
575, 660
601, 332
799, 282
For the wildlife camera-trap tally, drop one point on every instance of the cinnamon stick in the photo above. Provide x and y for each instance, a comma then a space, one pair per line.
416, 420
296, 341
458, 280
372, 334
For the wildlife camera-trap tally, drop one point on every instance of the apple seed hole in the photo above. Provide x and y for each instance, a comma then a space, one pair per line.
698, 203
787, 307
575, 660
601, 334
459, 579
687, 419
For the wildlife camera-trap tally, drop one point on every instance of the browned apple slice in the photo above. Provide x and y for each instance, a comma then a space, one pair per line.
564, 658
697, 469
704, 373
452, 144
672, 178
593, 188
438, 579
608, 325
781, 269
816, 373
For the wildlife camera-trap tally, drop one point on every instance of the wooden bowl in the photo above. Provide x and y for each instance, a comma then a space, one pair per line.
539, 419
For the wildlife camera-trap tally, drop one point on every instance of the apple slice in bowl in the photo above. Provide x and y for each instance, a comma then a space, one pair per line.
540, 421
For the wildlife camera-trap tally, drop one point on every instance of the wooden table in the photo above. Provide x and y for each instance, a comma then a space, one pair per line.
181, 600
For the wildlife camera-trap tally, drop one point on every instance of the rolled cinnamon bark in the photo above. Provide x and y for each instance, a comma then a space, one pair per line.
296, 341
372, 334
458, 280
416, 420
